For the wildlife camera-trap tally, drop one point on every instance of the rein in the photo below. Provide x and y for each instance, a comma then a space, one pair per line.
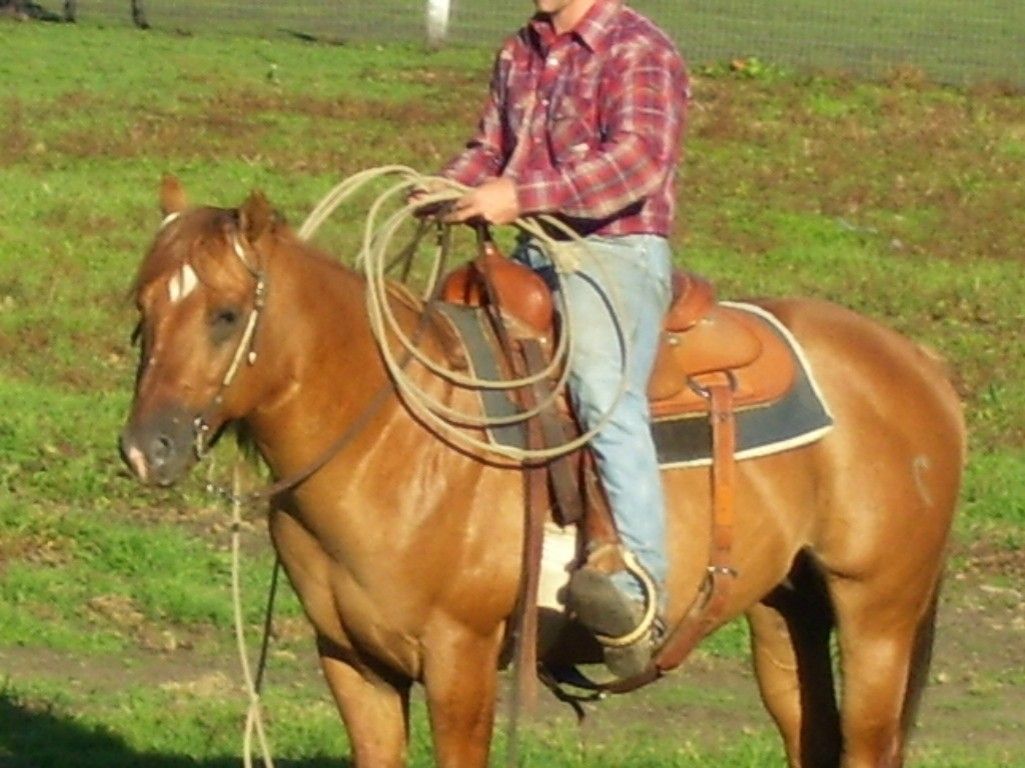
567, 256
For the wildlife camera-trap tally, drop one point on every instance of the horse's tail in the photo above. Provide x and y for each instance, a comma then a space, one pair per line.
921, 660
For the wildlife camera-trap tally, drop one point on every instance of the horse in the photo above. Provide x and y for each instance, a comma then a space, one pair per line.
406, 551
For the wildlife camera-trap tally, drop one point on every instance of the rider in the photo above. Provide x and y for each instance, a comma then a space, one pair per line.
585, 121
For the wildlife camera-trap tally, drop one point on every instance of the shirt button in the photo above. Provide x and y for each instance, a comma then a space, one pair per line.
551, 61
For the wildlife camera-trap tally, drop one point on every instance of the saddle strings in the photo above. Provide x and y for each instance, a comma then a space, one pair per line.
566, 255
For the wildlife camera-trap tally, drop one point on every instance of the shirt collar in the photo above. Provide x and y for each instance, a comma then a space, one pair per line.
591, 30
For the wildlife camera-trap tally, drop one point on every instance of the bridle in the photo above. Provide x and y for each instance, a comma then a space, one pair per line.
245, 351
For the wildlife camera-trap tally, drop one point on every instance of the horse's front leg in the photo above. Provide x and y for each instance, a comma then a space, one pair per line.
375, 710
461, 679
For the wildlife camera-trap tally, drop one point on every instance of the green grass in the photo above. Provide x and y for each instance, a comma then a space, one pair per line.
903, 200
171, 727
945, 38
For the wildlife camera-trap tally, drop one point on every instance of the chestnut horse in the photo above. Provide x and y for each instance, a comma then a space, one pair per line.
406, 553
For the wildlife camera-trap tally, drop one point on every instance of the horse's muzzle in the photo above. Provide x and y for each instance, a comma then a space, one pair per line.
161, 448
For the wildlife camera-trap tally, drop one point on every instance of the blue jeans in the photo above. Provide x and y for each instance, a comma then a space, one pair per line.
633, 274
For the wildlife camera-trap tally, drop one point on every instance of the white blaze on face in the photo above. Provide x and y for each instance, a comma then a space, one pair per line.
182, 284
169, 218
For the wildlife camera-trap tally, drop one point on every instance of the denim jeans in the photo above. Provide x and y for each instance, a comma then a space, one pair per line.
631, 273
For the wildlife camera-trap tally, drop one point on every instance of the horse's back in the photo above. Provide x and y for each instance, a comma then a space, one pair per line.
870, 372
888, 475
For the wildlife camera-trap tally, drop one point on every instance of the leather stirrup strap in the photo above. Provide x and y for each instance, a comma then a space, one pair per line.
536, 496
711, 601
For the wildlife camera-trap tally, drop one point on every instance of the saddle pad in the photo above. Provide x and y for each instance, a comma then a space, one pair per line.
473, 327
798, 418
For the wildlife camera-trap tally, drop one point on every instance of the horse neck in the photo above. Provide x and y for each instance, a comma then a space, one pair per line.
323, 365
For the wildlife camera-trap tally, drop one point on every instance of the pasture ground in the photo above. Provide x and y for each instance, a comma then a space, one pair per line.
903, 200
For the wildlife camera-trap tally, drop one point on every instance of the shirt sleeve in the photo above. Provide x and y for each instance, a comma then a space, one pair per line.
644, 109
484, 155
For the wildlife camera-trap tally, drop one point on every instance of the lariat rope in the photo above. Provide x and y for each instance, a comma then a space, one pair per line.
567, 255
254, 725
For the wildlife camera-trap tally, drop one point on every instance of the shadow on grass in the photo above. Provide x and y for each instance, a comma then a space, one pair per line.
33, 737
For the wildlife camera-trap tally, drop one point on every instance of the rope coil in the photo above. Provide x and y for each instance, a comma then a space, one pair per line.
567, 255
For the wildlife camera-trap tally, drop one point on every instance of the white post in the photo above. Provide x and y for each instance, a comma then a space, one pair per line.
438, 12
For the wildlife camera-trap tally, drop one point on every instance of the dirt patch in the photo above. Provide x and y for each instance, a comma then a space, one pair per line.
976, 693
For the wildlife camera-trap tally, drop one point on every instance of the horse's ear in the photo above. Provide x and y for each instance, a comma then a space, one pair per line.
255, 216
172, 196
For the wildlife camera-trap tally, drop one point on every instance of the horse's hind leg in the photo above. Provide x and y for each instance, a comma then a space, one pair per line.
790, 631
885, 634
375, 710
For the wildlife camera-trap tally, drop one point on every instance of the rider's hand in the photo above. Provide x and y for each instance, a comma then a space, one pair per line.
494, 201
418, 193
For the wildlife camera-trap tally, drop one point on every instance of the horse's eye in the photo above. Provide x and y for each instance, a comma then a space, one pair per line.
226, 317
223, 322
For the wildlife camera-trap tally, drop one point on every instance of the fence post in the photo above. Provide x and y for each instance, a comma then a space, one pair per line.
438, 12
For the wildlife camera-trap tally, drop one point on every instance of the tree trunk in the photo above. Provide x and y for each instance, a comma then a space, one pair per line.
139, 15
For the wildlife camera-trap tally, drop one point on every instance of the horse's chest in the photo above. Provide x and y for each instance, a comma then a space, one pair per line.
346, 606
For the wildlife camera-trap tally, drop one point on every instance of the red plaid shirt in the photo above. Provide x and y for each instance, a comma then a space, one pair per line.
588, 124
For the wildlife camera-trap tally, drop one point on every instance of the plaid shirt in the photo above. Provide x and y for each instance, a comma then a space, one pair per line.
588, 124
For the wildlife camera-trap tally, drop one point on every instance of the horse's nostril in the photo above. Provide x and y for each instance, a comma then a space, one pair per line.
161, 449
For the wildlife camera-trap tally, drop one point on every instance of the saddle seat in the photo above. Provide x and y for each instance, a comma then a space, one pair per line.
701, 339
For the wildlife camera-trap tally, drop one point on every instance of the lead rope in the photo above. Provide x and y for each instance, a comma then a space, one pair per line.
254, 715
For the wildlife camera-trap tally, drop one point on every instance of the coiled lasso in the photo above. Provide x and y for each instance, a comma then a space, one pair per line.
567, 255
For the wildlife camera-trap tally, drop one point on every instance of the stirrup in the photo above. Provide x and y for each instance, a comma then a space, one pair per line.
642, 630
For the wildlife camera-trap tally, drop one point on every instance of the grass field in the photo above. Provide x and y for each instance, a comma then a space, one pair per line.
901, 199
951, 40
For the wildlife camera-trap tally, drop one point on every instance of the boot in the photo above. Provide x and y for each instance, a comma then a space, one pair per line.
611, 615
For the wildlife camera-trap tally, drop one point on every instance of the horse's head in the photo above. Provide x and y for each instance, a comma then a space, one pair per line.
199, 292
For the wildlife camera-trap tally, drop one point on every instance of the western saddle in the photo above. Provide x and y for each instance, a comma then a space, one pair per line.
712, 359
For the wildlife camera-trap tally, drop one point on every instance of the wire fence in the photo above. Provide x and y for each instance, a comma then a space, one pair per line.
950, 41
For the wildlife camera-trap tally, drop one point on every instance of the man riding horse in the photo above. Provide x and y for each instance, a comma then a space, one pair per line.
585, 120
